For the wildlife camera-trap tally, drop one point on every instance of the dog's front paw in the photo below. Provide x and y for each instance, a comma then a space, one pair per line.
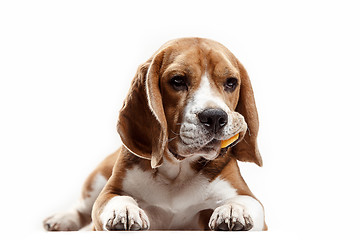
230, 217
120, 214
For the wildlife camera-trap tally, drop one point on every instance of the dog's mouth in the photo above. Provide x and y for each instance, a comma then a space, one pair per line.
212, 149
177, 156
212, 146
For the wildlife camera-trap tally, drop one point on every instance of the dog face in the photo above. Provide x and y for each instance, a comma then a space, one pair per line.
189, 96
200, 89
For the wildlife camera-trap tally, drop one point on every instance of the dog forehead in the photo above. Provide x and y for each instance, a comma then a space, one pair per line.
198, 58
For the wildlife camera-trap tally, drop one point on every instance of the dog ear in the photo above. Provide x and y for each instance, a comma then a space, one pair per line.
247, 149
142, 124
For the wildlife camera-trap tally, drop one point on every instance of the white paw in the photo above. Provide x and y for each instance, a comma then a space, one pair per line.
65, 221
231, 217
122, 213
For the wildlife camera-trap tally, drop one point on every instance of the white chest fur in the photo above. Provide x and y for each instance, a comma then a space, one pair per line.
173, 197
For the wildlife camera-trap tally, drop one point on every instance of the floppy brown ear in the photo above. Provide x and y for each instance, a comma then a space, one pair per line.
247, 149
142, 124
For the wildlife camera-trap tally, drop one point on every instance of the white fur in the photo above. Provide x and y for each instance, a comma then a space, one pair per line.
63, 221
253, 208
123, 211
70, 219
84, 205
173, 201
237, 209
193, 134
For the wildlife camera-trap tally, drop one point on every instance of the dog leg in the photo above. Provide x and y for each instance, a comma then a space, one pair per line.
80, 215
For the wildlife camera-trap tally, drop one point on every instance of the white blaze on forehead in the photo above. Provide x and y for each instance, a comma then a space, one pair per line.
207, 96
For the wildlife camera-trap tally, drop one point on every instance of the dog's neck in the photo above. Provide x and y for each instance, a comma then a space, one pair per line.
173, 169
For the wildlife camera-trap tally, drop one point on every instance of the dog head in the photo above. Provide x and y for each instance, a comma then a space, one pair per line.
188, 97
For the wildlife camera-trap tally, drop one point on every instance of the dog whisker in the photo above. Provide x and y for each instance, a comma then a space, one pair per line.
248, 129
177, 134
170, 139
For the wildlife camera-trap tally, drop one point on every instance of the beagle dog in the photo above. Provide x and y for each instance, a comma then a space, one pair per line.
172, 171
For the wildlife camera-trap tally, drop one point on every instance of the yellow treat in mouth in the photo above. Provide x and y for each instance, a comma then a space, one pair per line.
227, 142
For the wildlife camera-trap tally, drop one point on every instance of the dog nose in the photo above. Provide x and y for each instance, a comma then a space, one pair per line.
213, 119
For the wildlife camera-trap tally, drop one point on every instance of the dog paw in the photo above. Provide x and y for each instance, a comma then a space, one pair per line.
230, 217
120, 215
66, 221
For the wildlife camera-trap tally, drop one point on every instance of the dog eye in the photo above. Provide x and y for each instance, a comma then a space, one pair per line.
179, 83
230, 84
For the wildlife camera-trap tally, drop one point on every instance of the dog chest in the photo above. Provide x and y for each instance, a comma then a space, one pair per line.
189, 192
153, 190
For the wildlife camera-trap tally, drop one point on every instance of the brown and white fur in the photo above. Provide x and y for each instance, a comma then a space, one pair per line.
170, 172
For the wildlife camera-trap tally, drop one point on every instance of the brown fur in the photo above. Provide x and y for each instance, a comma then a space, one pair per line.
152, 111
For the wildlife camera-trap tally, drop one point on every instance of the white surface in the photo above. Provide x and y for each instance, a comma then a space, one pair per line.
65, 67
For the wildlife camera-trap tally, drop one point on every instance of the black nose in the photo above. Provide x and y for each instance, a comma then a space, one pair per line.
213, 119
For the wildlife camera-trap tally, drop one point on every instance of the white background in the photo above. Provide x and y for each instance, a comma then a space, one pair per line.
65, 67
